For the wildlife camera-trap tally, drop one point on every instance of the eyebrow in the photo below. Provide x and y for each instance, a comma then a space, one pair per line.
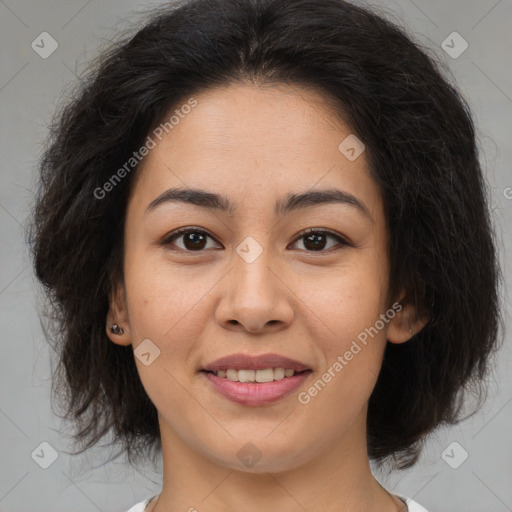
291, 202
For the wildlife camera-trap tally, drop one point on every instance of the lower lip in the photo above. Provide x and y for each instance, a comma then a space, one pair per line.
252, 393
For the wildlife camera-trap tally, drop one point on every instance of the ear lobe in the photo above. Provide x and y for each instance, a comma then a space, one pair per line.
118, 314
406, 323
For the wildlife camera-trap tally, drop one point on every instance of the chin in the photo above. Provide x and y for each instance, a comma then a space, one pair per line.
259, 456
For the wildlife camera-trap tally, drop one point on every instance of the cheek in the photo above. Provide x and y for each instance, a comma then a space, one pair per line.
351, 298
351, 350
348, 306
166, 305
172, 307
168, 308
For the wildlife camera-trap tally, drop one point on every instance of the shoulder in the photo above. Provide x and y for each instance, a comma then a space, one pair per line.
141, 506
412, 506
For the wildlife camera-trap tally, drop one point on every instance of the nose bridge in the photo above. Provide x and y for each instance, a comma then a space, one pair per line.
252, 276
253, 295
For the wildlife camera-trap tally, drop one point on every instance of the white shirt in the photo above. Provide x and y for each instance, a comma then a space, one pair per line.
412, 506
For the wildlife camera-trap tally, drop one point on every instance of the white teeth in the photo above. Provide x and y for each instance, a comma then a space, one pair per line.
267, 375
264, 375
232, 374
278, 373
246, 375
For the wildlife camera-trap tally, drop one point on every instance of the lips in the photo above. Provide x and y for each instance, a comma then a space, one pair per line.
254, 394
240, 387
242, 361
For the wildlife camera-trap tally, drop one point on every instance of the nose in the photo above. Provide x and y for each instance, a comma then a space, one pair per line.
255, 297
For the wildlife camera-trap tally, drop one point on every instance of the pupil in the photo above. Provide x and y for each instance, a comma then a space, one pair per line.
315, 239
196, 239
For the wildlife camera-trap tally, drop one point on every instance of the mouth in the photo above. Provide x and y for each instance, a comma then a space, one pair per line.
247, 363
243, 388
256, 376
255, 379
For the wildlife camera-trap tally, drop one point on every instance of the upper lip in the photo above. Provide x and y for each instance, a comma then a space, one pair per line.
255, 362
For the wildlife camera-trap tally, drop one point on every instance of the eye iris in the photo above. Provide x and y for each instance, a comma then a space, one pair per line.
197, 239
314, 238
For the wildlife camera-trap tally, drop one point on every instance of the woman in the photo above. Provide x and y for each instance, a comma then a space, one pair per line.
264, 231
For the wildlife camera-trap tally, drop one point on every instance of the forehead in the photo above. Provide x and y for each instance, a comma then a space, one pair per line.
254, 144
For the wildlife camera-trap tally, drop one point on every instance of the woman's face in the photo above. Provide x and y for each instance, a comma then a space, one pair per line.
249, 281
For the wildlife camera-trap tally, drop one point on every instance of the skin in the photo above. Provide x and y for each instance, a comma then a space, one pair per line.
255, 144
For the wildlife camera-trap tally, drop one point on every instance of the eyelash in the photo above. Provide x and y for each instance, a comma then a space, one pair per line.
176, 234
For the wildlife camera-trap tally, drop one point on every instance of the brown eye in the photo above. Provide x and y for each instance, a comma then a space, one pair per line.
196, 240
192, 239
316, 240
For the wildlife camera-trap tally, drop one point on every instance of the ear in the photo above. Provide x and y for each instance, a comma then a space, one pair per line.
118, 314
406, 323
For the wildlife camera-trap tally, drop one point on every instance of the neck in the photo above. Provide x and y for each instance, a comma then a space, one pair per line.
337, 478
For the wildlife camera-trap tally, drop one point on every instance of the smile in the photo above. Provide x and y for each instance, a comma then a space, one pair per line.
242, 386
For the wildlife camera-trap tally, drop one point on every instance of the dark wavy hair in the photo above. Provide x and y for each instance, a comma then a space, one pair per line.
422, 152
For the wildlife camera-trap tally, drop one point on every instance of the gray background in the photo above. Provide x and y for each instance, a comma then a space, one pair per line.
30, 88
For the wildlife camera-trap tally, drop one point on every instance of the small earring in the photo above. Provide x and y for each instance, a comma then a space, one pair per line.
115, 329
